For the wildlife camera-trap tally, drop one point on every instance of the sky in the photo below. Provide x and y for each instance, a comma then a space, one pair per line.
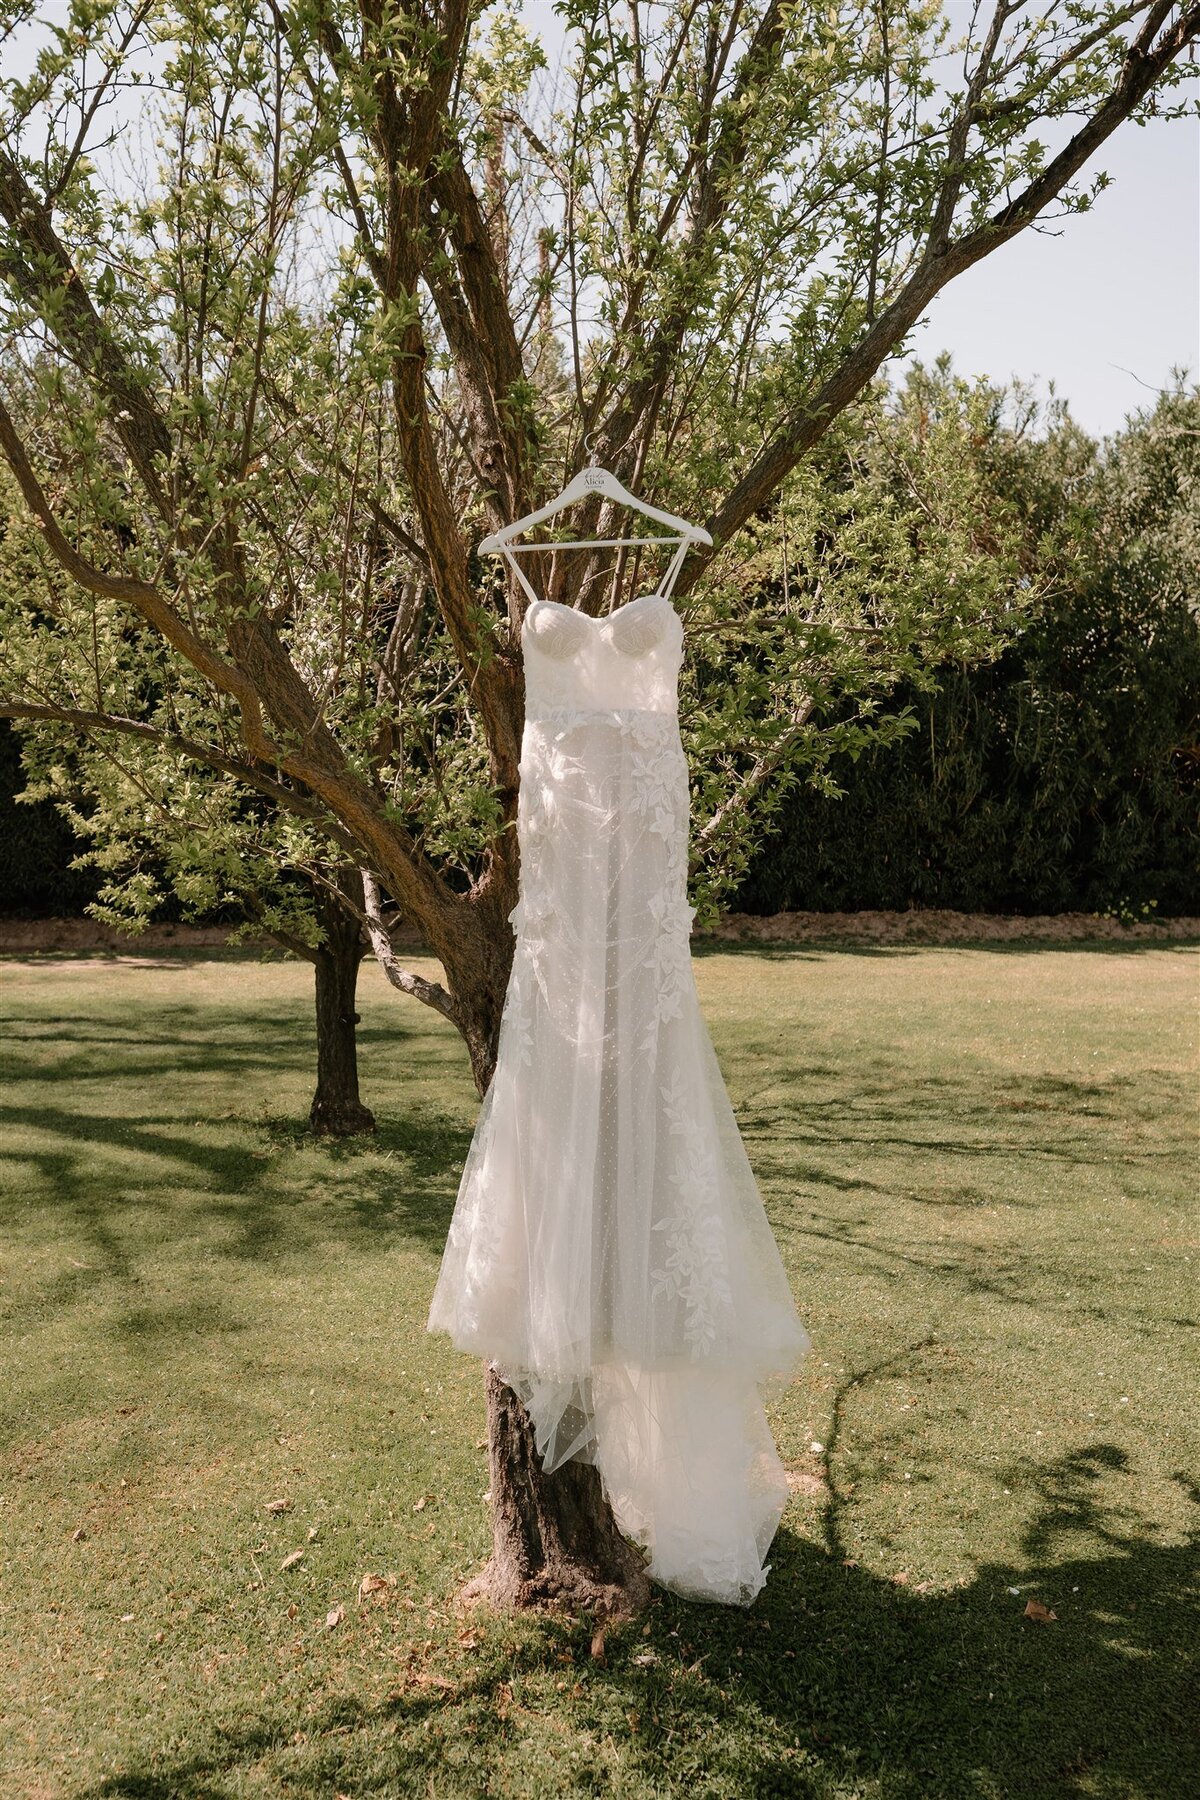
1106, 308
1102, 307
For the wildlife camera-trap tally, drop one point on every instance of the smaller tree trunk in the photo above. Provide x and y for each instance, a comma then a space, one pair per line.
337, 1110
554, 1538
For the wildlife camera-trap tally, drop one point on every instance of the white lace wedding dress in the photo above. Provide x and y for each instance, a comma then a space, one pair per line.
609, 1251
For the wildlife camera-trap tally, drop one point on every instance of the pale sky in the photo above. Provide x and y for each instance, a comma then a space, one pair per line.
1107, 308
1104, 309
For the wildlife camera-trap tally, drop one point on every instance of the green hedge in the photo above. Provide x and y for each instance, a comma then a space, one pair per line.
36, 847
1064, 777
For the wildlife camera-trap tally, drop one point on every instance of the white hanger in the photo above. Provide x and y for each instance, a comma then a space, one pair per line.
589, 481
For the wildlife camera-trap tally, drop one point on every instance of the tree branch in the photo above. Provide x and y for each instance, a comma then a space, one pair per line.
478, 323
717, 182
407, 137
313, 757
430, 993
135, 418
84, 720
751, 781
1143, 66
142, 595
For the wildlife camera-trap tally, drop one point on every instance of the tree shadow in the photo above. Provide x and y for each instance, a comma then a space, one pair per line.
399, 1183
837, 1681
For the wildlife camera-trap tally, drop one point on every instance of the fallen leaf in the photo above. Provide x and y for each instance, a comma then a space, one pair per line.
468, 1640
312, 1532
78, 1535
334, 1616
289, 1562
278, 1506
1035, 1610
646, 1658
422, 1503
597, 1651
371, 1584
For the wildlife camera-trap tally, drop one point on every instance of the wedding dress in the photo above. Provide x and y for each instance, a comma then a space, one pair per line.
609, 1252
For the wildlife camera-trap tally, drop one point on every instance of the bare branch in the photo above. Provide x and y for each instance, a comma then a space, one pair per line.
754, 778
1142, 67
430, 993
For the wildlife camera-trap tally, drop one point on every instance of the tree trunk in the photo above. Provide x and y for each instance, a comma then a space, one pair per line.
337, 1110
554, 1539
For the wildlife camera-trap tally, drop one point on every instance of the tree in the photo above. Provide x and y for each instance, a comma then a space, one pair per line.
263, 398
163, 819
160, 827
1064, 774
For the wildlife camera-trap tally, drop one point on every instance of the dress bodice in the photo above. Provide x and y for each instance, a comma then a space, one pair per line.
627, 659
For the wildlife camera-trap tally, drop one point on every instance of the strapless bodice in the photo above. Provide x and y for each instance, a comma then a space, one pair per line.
627, 659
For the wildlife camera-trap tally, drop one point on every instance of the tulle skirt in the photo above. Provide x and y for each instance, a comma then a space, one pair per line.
609, 1251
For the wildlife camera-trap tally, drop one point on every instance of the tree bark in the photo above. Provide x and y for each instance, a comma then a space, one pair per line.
337, 1110
554, 1539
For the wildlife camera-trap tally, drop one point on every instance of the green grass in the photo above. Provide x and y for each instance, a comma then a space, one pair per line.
980, 1167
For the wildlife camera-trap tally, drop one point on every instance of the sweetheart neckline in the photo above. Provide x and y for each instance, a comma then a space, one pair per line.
602, 618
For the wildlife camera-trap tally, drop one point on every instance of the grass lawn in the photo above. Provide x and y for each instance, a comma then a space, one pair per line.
980, 1167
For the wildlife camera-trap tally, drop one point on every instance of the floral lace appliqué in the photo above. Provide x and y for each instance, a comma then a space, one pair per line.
693, 1269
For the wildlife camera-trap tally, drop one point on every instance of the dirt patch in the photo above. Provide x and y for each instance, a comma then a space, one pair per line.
30, 936
935, 926
805, 1481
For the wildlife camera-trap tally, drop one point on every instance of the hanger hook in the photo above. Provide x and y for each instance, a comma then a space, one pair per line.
587, 445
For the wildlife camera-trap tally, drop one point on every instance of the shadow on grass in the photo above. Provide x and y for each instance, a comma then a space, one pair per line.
837, 1682
802, 950
99, 1171
187, 1039
241, 1192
